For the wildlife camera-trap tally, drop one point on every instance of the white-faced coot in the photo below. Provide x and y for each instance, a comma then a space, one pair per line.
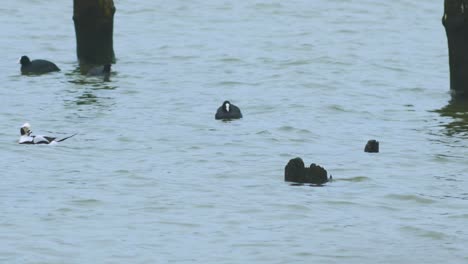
228, 111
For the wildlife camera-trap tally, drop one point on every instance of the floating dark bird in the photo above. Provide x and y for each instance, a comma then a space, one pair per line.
36, 66
372, 146
295, 171
228, 111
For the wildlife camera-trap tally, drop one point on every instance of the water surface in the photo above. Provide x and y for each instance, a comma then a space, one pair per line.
152, 177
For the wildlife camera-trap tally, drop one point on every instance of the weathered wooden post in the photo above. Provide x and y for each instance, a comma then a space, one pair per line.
94, 28
455, 21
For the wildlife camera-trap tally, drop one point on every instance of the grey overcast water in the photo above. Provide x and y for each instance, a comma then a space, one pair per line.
152, 177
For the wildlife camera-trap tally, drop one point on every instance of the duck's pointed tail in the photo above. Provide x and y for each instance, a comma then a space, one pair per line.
63, 139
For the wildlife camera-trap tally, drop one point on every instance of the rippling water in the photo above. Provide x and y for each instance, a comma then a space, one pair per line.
153, 178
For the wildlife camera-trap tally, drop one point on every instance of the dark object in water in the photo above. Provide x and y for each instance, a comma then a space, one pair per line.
295, 171
228, 111
372, 146
94, 29
456, 28
36, 66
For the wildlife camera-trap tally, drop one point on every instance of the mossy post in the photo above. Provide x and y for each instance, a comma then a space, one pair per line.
455, 21
94, 28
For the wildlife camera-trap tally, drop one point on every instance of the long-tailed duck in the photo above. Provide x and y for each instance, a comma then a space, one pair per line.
28, 138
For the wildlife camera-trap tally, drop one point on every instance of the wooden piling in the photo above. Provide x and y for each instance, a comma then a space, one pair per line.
94, 26
455, 21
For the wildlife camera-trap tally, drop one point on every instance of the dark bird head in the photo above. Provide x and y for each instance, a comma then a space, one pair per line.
26, 129
24, 60
372, 146
226, 106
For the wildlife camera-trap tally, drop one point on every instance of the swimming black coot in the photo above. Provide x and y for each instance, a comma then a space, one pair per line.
36, 66
228, 111
372, 146
295, 171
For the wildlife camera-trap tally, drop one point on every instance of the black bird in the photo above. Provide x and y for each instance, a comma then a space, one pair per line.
372, 146
295, 171
228, 111
36, 66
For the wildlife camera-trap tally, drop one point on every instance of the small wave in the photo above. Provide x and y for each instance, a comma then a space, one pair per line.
124, 139
424, 233
340, 203
230, 83
195, 147
86, 202
181, 224
353, 179
298, 207
64, 210
391, 68
122, 171
264, 132
297, 63
183, 58
268, 5
286, 128
304, 131
337, 108
299, 140
412, 89
459, 216
410, 197
345, 31
462, 197
230, 59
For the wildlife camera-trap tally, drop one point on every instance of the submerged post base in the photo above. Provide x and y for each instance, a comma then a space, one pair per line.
94, 25
455, 21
